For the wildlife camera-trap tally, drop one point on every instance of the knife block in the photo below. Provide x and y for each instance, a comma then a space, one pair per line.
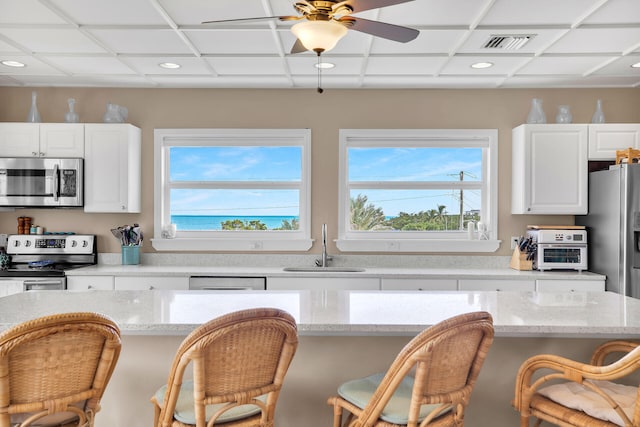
519, 261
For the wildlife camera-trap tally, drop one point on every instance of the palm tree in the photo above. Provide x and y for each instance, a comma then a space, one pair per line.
365, 216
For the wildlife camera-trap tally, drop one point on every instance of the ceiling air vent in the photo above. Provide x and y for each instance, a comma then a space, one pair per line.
507, 41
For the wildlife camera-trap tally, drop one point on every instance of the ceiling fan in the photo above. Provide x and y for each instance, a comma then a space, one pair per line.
327, 21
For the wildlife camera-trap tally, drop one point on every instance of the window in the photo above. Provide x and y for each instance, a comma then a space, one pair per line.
232, 189
417, 190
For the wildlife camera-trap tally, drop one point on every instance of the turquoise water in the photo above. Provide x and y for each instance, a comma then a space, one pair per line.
213, 222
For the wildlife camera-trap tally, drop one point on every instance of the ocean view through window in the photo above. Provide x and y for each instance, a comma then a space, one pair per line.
235, 188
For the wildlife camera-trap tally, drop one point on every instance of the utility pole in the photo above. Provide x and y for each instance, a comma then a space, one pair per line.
461, 202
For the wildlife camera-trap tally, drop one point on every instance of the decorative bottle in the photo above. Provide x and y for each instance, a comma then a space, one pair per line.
598, 116
71, 116
536, 114
564, 114
34, 115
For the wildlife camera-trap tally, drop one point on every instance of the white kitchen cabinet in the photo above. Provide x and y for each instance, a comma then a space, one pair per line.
112, 168
42, 140
88, 283
496, 285
555, 285
400, 284
142, 283
549, 169
328, 283
605, 139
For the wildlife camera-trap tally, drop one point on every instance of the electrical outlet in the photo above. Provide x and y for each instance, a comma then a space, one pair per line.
514, 241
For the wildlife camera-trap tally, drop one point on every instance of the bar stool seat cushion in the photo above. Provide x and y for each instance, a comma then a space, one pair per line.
577, 396
359, 392
185, 412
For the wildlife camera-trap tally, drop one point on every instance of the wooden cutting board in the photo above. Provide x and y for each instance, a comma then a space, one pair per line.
555, 227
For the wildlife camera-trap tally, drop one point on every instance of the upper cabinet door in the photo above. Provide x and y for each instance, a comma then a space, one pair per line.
61, 140
112, 168
19, 139
605, 139
42, 140
549, 169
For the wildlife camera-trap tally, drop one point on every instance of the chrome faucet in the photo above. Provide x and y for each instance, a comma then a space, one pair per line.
324, 261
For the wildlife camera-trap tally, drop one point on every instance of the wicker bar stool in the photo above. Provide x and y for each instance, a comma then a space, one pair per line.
428, 384
565, 392
239, 362
54, 369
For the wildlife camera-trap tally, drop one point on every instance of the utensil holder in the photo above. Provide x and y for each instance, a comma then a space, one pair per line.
519, 261
130, 255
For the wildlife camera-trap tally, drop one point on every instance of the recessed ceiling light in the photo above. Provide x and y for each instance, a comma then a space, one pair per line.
169, 65
325, 65
481, 65
636, 65
14, 64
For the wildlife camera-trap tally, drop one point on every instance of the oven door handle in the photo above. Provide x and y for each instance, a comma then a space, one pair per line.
56, 182
40, 282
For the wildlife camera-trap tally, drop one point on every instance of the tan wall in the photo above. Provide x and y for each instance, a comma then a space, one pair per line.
324, 114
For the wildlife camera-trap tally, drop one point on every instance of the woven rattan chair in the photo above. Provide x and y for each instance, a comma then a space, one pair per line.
239, 363
429, 382
55, 369
569, 393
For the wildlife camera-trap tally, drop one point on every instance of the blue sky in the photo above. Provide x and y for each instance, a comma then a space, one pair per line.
245, 163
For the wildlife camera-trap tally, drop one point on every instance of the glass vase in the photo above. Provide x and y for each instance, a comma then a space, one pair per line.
564, 114
34, 114
598, 116
536, 114
71, 116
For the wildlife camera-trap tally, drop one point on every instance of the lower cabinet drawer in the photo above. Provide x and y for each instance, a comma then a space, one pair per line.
88, 283
496, 285
137, 283
399, 284
570, 285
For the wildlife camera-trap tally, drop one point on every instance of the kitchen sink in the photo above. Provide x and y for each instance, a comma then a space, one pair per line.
321, 269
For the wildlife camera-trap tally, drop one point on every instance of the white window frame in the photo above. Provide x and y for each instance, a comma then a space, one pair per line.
380, 241
291, 240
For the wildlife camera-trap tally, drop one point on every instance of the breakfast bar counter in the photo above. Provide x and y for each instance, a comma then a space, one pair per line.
343, 335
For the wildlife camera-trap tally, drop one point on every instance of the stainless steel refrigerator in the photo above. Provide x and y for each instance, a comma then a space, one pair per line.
613, 225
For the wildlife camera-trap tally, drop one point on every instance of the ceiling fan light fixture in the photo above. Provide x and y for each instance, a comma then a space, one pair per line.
319, 36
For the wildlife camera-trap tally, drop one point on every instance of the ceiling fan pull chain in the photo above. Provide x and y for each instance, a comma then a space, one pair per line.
320, 90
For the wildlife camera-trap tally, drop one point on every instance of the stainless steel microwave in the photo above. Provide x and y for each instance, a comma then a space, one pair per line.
41, 182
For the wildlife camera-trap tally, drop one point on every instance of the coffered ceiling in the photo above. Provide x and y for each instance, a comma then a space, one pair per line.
119, 43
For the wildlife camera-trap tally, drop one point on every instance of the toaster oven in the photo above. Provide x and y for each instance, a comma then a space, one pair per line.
559, 249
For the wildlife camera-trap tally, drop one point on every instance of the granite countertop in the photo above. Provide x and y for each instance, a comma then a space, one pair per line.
404, 272
345, 313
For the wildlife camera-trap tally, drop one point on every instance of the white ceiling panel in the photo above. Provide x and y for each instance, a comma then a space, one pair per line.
142, 41
577, 43
581, 65
225, 66
51, 40
111, 12
590, 40
27, 12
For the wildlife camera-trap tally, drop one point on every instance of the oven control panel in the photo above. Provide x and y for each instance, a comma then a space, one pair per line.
50, 244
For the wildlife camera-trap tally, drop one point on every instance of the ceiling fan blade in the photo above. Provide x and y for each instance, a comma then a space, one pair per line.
298, 47
261, 18
382, 29
362, 5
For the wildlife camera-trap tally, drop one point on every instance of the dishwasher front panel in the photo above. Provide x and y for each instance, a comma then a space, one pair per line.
228, 283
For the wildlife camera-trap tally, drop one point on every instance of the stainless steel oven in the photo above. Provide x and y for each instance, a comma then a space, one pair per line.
39, 262
41, 182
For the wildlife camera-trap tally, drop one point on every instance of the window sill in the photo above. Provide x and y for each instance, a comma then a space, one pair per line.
423, 245
257, 245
